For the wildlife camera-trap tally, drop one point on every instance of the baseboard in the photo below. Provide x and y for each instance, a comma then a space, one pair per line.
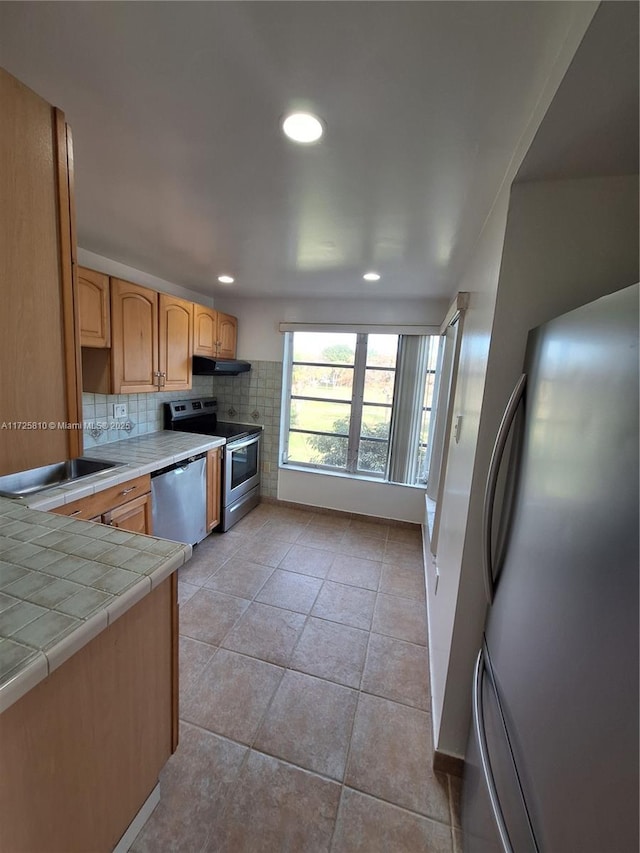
139, 821
449, 764
338, 513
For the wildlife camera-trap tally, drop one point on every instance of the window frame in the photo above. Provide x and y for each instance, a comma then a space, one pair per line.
356, 408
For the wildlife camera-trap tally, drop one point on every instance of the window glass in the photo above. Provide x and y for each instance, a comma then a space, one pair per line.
372, 456
382, 350
326, 382
324, 347
427, 414
317, 450
320, 416
378, 386
342, 398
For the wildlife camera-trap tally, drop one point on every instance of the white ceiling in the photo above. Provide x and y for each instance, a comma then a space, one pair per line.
181, 170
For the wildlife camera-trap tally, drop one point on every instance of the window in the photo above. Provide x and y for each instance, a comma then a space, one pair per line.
341, 400
351, 403
426, 422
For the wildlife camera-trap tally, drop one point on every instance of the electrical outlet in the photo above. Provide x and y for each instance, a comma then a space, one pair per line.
119, 410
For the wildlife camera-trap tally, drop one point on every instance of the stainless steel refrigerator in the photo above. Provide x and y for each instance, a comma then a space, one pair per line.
552, 760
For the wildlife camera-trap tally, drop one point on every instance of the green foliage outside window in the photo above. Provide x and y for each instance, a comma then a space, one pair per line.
372, 456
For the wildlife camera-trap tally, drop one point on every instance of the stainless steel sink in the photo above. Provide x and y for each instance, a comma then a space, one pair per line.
50, 476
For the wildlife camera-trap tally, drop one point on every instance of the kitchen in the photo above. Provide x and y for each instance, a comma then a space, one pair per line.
576, 187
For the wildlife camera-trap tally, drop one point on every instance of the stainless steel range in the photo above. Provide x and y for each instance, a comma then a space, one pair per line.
241, 457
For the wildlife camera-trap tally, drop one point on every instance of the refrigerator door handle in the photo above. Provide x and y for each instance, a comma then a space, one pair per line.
492, 482
478, 722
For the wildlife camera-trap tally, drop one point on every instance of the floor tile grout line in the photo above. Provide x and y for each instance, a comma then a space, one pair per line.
353, 725
354, 787
378, 591
252, 748
258, 591
291, 668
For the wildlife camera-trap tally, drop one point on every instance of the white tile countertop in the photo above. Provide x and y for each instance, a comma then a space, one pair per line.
63, 581
141, 455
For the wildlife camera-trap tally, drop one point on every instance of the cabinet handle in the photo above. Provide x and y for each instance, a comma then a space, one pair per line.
492, 482
130, 489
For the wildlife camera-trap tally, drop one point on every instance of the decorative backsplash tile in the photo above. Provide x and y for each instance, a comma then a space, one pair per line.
145, 413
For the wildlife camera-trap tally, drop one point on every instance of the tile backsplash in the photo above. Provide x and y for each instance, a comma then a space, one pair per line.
144, 412
252, 397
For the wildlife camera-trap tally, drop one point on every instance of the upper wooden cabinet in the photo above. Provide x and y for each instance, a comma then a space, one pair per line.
205, 331
227, 335
215, 333
176, 343
38, 326
151, 344
95, 313
134, 338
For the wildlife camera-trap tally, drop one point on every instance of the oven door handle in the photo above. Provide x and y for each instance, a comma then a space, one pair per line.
239, 445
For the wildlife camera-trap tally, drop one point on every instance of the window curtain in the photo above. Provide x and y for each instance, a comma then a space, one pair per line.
407, 408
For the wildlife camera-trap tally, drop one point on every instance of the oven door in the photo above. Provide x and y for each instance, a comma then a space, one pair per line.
241, 468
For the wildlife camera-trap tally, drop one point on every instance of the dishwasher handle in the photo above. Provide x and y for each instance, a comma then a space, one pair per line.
178, 466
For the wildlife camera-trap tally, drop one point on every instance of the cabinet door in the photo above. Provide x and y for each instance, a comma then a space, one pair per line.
176, 343
37, 326
205, 331
213, 488
134, 338
93, 296
227, 335
134, 516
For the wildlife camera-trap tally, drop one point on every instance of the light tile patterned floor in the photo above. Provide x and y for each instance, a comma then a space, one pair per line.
304, 695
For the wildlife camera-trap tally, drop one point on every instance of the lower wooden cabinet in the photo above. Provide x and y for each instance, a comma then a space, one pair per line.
213, 487
134, 516
82, 750
127, 506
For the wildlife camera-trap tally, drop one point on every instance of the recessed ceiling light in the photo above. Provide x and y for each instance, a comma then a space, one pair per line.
371, 276
302, 127
225, 279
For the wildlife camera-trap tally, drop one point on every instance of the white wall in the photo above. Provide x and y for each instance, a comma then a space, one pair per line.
258, 319
566, 243
118, 270
481, 281
366, 497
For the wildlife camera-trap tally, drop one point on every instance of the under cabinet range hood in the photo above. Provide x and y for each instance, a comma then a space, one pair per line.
205, 366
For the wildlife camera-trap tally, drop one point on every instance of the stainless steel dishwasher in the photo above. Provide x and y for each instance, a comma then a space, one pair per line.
179, 501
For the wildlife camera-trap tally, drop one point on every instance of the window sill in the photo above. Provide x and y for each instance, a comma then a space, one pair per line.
343, 475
